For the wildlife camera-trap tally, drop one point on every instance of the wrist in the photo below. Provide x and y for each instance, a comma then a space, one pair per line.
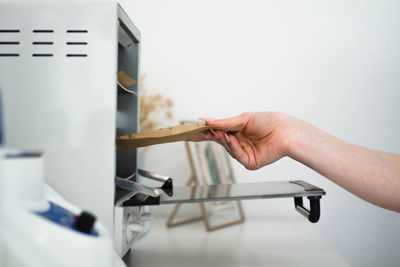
288, 132
306, 142
294, 144
297, 138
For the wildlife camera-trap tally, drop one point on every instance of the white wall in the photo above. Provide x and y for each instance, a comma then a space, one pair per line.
335, 64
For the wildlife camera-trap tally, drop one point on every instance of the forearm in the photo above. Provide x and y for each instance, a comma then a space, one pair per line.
372, 175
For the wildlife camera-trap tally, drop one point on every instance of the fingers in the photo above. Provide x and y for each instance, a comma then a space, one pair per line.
217, 136
231, 143
206, 136
237, 150
228, 122
221, 138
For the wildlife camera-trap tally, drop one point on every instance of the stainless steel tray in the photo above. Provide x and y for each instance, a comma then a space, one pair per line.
168, 194
226, 192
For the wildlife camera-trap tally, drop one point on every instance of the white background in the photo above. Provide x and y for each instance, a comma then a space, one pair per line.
335, 64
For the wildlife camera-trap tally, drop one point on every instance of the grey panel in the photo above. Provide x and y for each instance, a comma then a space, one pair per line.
128, 105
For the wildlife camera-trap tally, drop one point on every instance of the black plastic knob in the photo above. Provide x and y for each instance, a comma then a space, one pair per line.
85, 222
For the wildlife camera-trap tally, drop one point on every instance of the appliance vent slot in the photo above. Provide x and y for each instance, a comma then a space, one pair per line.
42, 55
77, 31
42, 43
9, 55
76, 43
76, 55
9, 43
43, 31
9, 30
12, 42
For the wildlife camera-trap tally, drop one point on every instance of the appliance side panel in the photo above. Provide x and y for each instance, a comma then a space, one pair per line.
64, 104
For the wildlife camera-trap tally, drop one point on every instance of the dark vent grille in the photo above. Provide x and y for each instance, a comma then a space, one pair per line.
42, 55
9, 43
9, 30
43, 31
76, 55
9, 55
76, 43
77, 31
42, 43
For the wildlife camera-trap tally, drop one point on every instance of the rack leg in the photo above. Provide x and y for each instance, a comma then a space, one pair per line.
314, 213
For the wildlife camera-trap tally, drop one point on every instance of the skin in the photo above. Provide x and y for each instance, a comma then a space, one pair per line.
268, 136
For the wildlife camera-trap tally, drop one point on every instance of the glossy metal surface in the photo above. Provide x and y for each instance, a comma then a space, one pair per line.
153, 175
223, 192
136, 187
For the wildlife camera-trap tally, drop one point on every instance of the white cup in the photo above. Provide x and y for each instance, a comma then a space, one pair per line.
22, 180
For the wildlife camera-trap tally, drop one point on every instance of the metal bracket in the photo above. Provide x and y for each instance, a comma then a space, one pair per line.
142, 194
166, 180
136, 188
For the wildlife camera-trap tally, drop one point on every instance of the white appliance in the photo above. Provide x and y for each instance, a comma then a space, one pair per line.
58, 72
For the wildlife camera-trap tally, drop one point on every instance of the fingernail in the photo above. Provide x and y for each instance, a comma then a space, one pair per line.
205, 136
227, 138
213, 132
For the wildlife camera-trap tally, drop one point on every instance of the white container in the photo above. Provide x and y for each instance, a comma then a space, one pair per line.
23, 179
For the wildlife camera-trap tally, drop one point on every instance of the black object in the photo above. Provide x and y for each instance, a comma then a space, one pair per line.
166, 180
85, 222
314, 212
140, 200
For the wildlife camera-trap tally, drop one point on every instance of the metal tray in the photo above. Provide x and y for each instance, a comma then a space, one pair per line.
168, 194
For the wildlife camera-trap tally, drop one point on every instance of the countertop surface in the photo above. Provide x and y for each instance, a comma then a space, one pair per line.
284, 238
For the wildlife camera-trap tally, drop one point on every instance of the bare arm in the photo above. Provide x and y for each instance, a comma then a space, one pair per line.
268, 136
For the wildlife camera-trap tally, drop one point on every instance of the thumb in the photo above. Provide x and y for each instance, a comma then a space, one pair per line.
228, 122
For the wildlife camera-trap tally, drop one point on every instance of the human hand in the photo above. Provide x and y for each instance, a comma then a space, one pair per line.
268, 136
264, 138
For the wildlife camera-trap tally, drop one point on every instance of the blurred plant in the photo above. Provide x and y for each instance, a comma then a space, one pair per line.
155, 109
